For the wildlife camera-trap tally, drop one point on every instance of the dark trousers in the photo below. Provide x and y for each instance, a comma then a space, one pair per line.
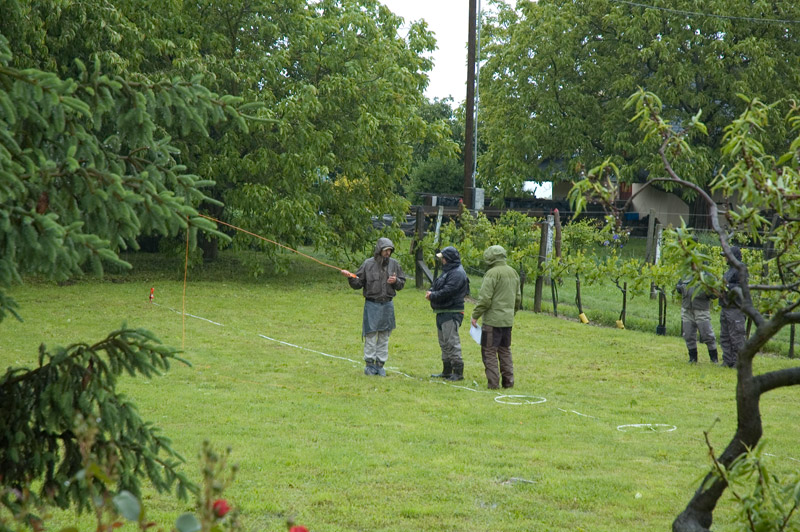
731, 334
496, 348
447, 324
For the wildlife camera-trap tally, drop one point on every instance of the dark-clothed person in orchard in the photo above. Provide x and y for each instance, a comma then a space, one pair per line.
447, 301
696, 317
731, 318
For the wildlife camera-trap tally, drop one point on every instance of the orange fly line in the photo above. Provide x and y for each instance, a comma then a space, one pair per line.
186, 263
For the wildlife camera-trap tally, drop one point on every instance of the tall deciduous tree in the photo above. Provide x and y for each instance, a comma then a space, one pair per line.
558, 72
343, 90
766, 184
341, 87
437, 168
105, 112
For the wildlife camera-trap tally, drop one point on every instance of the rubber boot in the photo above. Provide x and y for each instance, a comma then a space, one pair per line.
370, 368
458, 372
379, 371
712, 354
446, 371
692, 356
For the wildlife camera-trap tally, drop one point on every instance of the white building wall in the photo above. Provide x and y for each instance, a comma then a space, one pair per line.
670, 209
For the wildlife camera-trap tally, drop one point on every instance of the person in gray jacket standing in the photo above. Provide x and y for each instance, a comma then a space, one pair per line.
379, 278
447, 301
731, 318
696, 317
498, 301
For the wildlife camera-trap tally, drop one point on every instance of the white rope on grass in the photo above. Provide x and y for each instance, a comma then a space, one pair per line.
519, 399
445, 382
514, 480
578, 413
782, 457
187, 314
307, 349
505, 399
395, 370
646, 427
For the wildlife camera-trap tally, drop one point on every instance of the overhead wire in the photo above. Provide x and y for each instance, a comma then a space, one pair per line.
708, 15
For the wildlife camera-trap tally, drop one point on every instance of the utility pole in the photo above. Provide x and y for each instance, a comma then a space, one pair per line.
469, 184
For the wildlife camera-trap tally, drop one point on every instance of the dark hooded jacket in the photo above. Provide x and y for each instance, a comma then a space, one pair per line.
374, 273
733, 282
450, 288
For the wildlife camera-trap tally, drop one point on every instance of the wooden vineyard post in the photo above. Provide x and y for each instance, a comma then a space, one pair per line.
537, 296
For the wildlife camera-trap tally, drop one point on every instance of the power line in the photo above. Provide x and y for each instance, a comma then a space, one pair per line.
708, 15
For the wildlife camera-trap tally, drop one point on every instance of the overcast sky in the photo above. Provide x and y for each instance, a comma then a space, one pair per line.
449, 21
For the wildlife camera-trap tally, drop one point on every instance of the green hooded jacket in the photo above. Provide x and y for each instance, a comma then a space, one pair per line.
500, 296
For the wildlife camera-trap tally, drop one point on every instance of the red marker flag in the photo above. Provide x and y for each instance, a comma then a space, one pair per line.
153, 289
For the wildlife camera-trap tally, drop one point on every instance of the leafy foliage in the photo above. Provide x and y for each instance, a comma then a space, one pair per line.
113, 507
436, 168
558, 73
87, 167
472, 234
764, 501
344, 99
332, 93
764, 186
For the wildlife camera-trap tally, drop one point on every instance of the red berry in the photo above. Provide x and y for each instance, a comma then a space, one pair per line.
220, 507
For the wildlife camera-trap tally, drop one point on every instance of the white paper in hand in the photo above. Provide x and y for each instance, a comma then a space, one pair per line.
475, 332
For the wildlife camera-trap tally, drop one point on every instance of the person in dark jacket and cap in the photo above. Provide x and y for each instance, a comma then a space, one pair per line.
731, 318
379, 277
447, 301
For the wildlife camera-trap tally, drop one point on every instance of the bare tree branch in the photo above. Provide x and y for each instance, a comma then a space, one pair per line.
777, 379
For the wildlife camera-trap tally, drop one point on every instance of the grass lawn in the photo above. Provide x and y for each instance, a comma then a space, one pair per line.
277, 376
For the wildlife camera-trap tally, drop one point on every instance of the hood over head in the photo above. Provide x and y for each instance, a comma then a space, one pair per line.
494, 254
450, 254
382, 244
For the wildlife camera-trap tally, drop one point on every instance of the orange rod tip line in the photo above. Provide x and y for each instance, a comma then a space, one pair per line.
262, 238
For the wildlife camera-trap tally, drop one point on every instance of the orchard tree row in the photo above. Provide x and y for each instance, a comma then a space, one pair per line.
591, 253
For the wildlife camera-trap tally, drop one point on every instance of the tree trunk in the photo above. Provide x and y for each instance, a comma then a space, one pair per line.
698, 214
210, 244
698, 514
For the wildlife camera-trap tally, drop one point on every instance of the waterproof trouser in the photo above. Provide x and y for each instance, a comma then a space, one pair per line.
695, 321
496, 355
731, 334
447, 325
376, 346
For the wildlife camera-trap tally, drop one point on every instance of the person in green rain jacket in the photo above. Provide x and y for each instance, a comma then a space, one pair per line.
499, 300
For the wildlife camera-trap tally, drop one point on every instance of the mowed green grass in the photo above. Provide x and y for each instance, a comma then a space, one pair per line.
317, 440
